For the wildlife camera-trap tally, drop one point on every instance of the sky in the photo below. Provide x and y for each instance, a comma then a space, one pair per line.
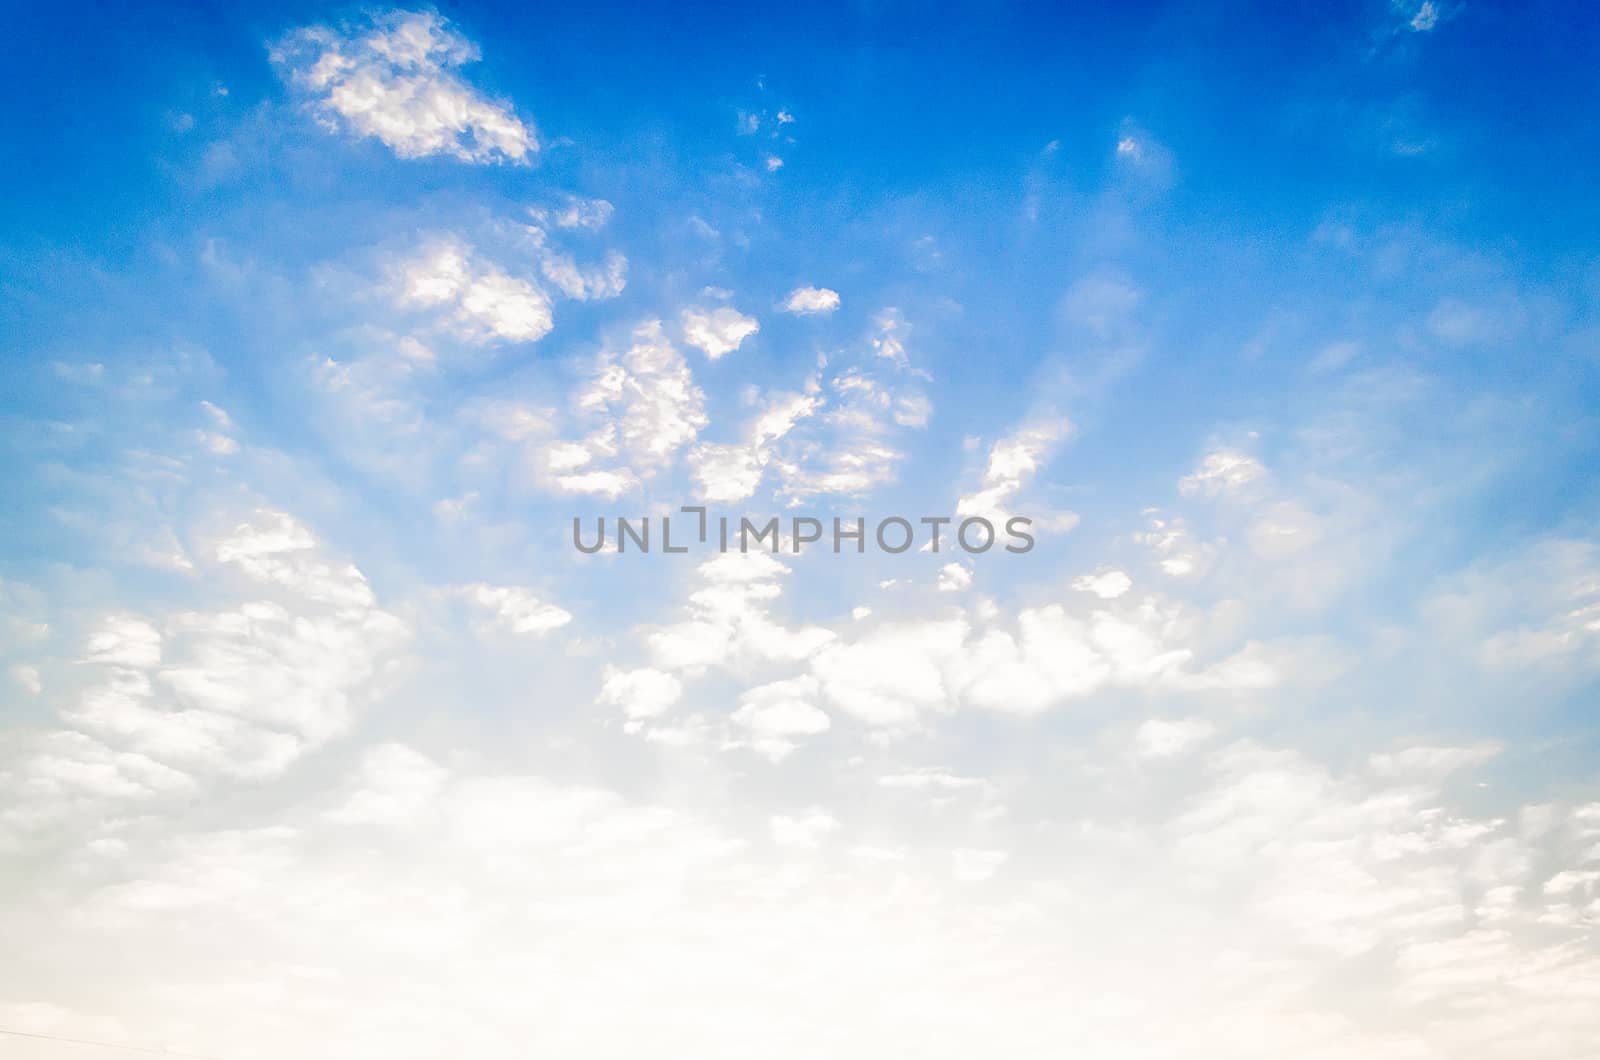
322, 325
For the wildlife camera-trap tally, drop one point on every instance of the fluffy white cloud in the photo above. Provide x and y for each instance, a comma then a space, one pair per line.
242, 690
893, 675
1107, 585
717, 331
396, 81
727, 621
393, 786
811, 300
485, 303
641, 693
776, 716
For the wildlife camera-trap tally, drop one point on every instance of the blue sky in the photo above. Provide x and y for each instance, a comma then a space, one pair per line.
321, 325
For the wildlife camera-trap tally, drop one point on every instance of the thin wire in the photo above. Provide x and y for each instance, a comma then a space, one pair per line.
107, 1045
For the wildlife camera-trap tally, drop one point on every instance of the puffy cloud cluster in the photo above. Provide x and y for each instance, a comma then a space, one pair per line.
484, 302
240, 691
396, 81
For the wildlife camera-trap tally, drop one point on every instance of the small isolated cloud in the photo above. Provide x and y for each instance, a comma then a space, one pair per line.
1426, 17
953, 578
717, 331
396, 81
1141, 155
808, 300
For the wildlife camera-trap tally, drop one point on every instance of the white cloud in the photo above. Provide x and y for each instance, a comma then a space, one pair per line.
641, 693
890, 340
485, 302
806, 829
575, 212
936, 780
975, 866
1178, 554
275, 548
727, 622
585, 284
848, 446
1012, 462
646, 407
1222, 471
811, 300
397, 82
241, 690
892, 675
517, 610
1107, 585
717, 331
953, 577
1537, 609
1160, 738
393, 787
732, 472
776, 716
125, 641
27, 677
